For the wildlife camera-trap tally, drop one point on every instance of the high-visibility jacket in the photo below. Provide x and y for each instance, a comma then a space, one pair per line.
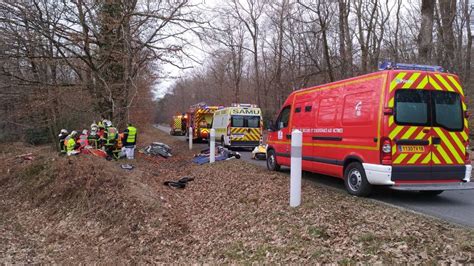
131, 135
70, 143
111, 136
83, 141
92, 139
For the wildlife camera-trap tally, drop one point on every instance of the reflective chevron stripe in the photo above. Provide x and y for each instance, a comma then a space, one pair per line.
443, 81
456, 84
245, 134
411, 81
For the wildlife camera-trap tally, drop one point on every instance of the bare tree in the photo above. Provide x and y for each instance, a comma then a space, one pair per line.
425, 37
250, 14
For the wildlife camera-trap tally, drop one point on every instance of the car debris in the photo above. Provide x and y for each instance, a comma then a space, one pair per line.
158, 148
221, 155
127, 166
181, 183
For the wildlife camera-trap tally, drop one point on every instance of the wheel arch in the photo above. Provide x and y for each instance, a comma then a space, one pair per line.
351, 159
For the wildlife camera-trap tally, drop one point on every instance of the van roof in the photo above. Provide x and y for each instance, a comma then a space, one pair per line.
369, 75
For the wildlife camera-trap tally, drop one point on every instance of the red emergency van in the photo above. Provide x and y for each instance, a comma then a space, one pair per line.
405, 126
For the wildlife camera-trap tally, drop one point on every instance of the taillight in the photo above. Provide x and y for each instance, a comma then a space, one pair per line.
386, 151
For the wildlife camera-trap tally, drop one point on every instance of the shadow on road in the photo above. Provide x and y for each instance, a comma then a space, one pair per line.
385, 193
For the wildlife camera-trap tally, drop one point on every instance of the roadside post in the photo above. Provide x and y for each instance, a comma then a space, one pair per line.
212, 146
190, 137
295, 170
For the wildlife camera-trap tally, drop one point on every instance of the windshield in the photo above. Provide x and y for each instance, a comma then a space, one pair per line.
429, 108
245, 121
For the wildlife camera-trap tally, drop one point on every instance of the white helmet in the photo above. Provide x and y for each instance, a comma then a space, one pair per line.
73, 133
107, 123
64, 131
85, 132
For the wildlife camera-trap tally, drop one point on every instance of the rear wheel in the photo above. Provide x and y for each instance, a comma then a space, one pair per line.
431, 193
222, 141
272, 163
356, 180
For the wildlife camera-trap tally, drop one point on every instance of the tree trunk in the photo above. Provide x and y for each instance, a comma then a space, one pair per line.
447, 10
425, 36
467, 69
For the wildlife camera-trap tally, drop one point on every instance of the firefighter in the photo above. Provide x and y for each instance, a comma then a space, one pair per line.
83, 140
62, 136
70, 143
183, 124
100, 134
129, 140
110, 137
119, 150
93, 136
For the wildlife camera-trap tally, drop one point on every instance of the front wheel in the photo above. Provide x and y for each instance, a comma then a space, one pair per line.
272, 163
355, 180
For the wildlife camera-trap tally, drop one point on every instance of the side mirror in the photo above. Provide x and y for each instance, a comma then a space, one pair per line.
270, 126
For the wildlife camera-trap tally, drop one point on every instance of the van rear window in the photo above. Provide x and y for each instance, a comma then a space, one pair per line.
412, 107
448, 110
429, 108
245, 121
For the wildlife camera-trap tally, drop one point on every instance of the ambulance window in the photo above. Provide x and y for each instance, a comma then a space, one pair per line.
308, 108
253, 121
297, 109
237, 121
283, 118
448, 110
412, 107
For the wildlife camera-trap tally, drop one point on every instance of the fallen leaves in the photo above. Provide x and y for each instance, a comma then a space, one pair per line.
70, 210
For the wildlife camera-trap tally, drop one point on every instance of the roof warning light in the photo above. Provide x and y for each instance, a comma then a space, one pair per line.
387, 65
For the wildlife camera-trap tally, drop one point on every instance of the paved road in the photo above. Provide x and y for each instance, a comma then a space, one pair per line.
453, 206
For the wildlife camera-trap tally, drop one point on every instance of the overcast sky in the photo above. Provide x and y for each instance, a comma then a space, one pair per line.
171, 73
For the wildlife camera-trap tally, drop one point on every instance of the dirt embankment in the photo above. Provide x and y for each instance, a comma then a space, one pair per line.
85, 209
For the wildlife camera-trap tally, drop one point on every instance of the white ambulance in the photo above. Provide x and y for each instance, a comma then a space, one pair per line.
238, 126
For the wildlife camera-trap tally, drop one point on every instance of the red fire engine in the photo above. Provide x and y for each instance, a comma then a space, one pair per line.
199, 117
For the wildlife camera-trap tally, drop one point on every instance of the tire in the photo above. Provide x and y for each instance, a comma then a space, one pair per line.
272, 163
355, 180
222, 141
431, 193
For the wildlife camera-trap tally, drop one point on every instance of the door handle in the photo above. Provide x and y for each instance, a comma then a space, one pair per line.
436, 140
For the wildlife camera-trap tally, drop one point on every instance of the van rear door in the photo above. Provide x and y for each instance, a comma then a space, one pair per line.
428, 128
449, 133
245, 130
410, 126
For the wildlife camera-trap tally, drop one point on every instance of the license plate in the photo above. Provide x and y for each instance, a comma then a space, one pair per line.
412, 148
